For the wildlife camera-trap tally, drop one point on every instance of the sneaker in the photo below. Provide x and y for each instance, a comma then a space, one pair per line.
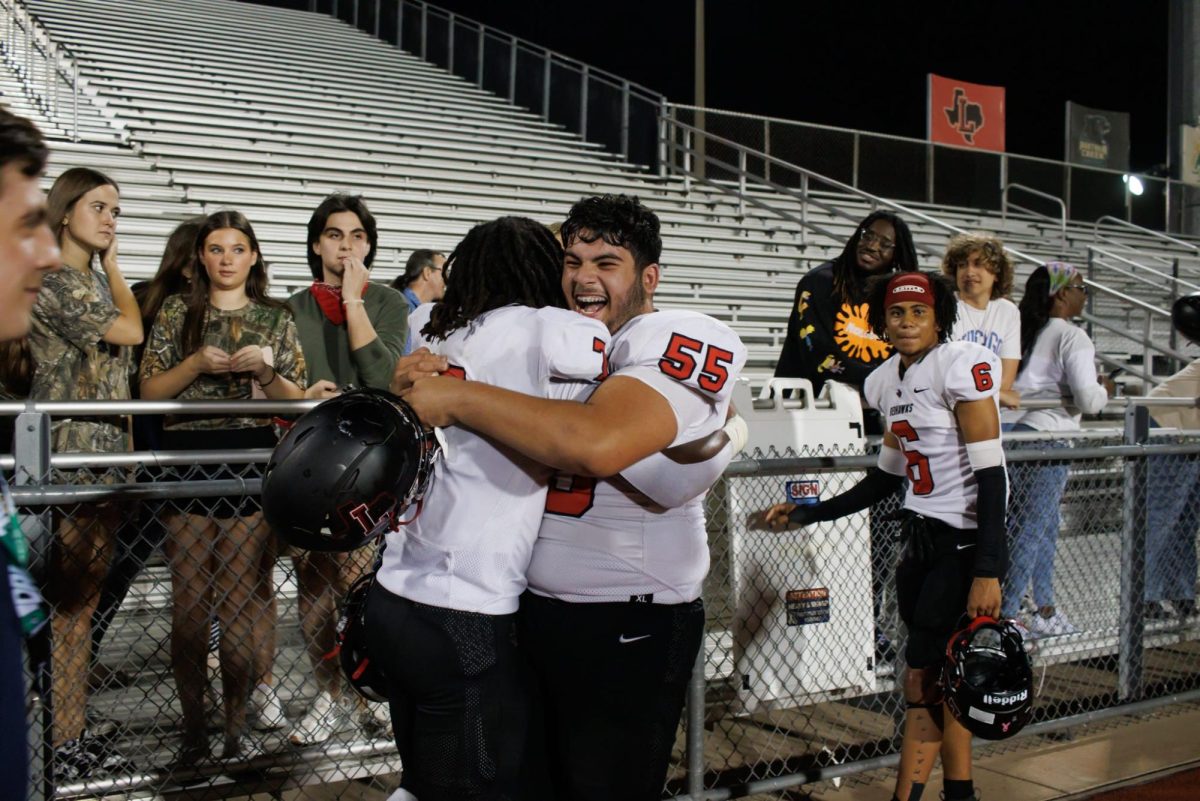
1027, 636
266, 709
375, 720
1155, 610
1054, 626
323, 718
1185, 607
211, 692
88, 757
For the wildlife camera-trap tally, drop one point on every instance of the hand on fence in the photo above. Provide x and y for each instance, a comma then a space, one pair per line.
782, 516
984, 598
211, 359
421, 363
322, 390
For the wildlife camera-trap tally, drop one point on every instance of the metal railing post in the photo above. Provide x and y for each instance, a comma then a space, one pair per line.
512, 69
625, 120
1174, 294
74, 102
354, 14
424, 27
767, 148
450, 43
687, 162
1133, 559
584, 81
1091, 296
854, 161
482, 47
695, 728
804, 208
376, 27
741, 182
547, 72
664, 130
929, 173
400, 24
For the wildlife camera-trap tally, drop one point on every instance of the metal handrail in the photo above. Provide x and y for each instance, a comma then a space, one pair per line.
1147, 231
1004, 204
57, 62
135, 407
1164, 276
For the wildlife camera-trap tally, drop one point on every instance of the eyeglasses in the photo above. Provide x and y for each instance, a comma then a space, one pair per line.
869, 237
1081, 287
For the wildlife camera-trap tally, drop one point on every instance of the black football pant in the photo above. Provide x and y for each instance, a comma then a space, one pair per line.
611, 679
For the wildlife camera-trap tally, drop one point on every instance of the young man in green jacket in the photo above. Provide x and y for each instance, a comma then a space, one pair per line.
352, 332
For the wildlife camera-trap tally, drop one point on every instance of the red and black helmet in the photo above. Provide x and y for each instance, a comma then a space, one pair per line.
988, 679
362, 674
346, 470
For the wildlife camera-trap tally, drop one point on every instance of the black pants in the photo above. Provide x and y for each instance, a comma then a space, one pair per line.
933, 597
459, 699
612, 679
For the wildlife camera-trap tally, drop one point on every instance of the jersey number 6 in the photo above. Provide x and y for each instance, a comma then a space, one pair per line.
680, 361
918, 464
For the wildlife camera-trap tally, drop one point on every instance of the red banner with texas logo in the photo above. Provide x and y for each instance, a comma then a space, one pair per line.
966, 114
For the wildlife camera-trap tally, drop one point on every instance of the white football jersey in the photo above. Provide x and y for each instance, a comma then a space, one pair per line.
919, 411
470, 545
610, 540
417, 318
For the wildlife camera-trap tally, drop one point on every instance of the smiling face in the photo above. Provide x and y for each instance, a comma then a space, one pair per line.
343, 237
27, 248
876, 247
227, 257
911, 328
601, 281
975, 280
92, 221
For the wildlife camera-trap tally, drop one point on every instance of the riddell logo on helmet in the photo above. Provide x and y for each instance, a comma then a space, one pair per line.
1006, 700
901, 288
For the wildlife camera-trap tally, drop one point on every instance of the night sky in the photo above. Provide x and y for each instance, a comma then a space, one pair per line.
863, 65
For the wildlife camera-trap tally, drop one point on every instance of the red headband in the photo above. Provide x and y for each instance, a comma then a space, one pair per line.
909, 288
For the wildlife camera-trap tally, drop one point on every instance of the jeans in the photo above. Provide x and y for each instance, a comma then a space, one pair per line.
1034, 496
1172, 518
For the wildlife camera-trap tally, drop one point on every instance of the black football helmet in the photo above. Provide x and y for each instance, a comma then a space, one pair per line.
346, 470
1185, 316
988, 680
362, 674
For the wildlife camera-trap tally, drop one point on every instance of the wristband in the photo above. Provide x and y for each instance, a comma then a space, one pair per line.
274, 375
738, 432
985, 454
352, 300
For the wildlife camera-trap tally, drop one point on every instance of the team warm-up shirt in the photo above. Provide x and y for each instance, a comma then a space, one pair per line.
996, 327
919, 411
608, 540
470, 544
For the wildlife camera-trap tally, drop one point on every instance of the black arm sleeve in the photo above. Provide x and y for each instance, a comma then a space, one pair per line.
876, 486
991, 552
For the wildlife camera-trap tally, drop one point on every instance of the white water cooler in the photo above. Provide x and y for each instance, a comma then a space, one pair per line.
802, 626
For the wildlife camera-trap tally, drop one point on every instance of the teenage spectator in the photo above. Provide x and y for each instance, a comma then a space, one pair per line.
983, 275
940, 402
142, 534
220, 341
1173, 487
350, 336
444, 602
422, 280
27, 252
828, 337
1058, 362
84, 324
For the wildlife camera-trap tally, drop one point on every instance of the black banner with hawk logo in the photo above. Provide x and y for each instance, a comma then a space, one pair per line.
1097, 138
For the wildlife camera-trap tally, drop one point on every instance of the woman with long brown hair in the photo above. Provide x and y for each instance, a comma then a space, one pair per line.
84, 323
222, 339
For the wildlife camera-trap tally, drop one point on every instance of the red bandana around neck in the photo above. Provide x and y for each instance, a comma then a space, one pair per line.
329, 298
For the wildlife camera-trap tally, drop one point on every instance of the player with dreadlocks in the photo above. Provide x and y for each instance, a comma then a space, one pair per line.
940, 402
441, 617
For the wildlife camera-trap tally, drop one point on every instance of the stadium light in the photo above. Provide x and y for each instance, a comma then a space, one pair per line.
1134, 184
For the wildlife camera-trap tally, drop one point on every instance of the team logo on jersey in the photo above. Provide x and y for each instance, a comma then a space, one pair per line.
805, 492
854, 336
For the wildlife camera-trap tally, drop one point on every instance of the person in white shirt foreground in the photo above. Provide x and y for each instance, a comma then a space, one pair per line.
940, 404
613, 619
1058, 362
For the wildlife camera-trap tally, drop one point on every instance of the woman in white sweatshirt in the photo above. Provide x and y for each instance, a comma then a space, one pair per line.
1058, 362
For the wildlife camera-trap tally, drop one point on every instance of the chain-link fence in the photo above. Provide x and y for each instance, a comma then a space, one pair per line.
196, 656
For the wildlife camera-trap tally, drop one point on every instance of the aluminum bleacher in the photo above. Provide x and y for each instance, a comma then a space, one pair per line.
229, 104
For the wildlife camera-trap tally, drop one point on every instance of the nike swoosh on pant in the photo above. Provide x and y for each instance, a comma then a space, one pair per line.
623, 639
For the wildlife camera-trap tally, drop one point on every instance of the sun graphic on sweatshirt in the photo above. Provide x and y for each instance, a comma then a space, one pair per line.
854, 336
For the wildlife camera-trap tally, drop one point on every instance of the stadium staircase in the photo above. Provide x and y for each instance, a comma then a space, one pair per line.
214, 104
